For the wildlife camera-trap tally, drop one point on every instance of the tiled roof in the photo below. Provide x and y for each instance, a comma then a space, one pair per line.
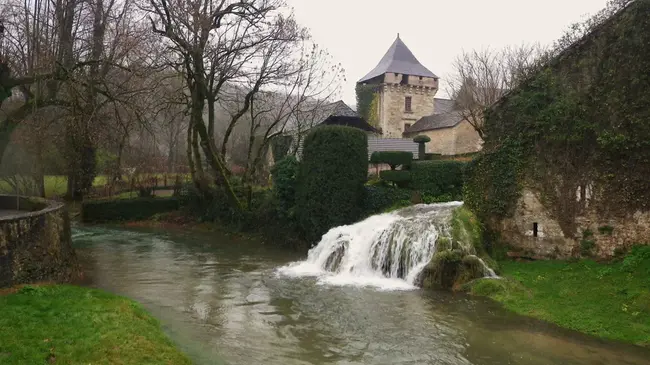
436, 121
340, 109
442, 106
445, 115
399, 59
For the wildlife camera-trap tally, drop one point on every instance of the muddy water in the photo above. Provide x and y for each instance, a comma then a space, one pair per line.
222, 301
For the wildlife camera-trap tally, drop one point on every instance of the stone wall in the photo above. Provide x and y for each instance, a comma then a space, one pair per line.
35, 245
456, 140
549, 241
392, 114
392, 78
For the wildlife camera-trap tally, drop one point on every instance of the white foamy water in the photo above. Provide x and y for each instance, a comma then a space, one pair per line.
386, 251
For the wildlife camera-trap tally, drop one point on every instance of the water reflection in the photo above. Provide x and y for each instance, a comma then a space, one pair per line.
222, 302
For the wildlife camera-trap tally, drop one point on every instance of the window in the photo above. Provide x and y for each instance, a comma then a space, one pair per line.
407, 104
407, 126
405, 80
535, 229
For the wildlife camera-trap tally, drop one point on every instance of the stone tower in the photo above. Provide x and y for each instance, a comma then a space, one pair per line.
406, 89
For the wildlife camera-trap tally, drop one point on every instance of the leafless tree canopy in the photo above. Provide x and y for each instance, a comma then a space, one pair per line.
248, 59
204, 84
482, 77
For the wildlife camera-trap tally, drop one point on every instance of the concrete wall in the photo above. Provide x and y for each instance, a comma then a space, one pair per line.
457, 140
392, 114
551, 241
35, 246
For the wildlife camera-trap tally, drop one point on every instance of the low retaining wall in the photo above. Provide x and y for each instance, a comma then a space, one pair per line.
35, 242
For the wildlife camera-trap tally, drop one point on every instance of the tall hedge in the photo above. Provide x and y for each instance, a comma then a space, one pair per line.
331, 178
285, 173
438, 178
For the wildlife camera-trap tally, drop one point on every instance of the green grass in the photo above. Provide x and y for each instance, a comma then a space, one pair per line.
610, 301
56, 185
74, 325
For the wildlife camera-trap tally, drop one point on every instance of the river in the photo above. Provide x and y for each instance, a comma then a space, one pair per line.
223, 302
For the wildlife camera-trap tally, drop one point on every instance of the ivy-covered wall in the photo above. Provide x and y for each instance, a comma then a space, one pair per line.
368, 103
576, 134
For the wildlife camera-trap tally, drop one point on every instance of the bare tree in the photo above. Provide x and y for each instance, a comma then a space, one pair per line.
81, 57
482, 77
219, 46
299, 87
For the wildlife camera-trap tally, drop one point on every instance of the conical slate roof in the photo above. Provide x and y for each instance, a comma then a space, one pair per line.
399, 59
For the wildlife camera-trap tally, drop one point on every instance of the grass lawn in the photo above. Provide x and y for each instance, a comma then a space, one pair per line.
74, 325
56, 185
611, 301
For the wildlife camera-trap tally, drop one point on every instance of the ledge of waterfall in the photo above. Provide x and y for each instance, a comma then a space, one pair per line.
426, 245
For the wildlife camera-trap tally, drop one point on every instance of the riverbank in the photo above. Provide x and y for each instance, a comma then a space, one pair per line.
74, 325
610, 301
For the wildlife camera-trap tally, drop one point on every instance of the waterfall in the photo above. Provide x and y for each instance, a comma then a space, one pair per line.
387, 250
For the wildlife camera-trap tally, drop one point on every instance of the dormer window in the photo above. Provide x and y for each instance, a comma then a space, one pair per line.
407, 104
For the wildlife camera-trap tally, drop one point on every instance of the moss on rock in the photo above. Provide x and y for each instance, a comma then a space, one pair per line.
461, 258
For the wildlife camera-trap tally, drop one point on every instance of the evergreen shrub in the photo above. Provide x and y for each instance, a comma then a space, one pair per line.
330, 187
392, 158
438, 178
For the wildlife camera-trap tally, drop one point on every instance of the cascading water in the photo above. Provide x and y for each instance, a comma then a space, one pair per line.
388, 250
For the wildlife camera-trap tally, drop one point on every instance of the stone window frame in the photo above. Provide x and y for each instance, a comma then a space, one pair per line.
408, 104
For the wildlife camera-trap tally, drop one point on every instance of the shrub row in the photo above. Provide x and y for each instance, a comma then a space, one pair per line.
126, 209
438, 178
379, 198
401, 178
392, 158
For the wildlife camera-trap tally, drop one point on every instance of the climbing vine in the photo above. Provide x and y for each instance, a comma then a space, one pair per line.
367, 101
581, 121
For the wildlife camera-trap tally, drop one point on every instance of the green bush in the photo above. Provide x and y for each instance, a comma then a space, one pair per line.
392, 158
635, 259
438, 178
399, 177
126, 209
284, 175
433, 156
280, 146
421, 139
331, 178
378, 198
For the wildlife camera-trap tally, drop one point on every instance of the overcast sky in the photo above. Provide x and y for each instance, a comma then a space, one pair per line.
357, 33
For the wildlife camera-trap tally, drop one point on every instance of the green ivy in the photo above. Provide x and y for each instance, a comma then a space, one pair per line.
365, 97
580, 119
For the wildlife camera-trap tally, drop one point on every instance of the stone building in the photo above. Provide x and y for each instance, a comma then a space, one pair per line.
450, 132
406, 89
407, 105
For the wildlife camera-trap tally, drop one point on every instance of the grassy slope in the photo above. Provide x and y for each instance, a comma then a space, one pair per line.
74, 325
610, 301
